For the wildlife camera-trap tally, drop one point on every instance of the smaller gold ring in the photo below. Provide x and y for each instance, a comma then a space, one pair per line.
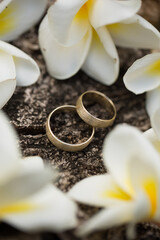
61, 144
98, 97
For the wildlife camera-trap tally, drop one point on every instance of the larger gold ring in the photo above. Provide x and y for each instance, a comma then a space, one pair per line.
56, 141
104, 101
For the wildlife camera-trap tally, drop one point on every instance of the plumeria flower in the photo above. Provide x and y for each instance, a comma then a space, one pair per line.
144, 76
153, 109
18, 16
28, 199
82, 34
129, 193
16, 68
153, 138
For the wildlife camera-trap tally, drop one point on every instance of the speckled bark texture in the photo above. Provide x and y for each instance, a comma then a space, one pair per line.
29, 108
151, 12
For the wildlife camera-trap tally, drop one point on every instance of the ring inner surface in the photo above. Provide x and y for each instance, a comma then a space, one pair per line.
68, 127
99, 106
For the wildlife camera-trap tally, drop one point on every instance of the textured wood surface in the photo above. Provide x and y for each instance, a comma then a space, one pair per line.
28, 110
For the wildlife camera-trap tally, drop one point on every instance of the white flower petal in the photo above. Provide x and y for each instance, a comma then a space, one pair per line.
102, 62
144, 74
142, 208
100, 191
7, 67
153, 101
62, 62
155, 122
145, 178
107, 218
31, 164
153, 109
51, 210
119, 214
152, 137
104, 12
68, 21
4, 4
123, 146
156, 215
21, 186
27, 71
133, 31
9, 151
141, 212
20, 16
7, 77
7, 89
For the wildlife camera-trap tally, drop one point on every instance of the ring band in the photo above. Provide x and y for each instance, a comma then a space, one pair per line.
104, 101
56, 141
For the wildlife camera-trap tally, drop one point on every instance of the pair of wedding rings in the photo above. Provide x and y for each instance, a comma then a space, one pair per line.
86, 116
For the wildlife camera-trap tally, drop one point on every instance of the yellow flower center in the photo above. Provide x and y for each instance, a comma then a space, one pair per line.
156, 144
115, 27
82, 13
117, 193
154, 69
15, 208
150, 187
7, 20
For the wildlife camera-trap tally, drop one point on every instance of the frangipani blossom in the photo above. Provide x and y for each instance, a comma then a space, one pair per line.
28, 200
153, 109
16, 68
144, 76
82, 34
18, 16
153, 138
130, 192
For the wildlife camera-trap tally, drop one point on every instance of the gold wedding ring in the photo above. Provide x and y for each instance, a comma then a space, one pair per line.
104, 101
56, 141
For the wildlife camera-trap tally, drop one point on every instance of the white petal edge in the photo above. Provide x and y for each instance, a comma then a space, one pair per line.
62, 62
130, 212
122, 146
52, 210
22, 186
93, 191
27, 70
153, 109
24, 14
132, 32
138, 78
9, 159
155, 122
102, 62
104, 12
145, 179
35, 164
7, 77
141, 212
107, 218
67, 27
153, 101
7, 89
31, 164
4, 4
153, 138
7, 67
